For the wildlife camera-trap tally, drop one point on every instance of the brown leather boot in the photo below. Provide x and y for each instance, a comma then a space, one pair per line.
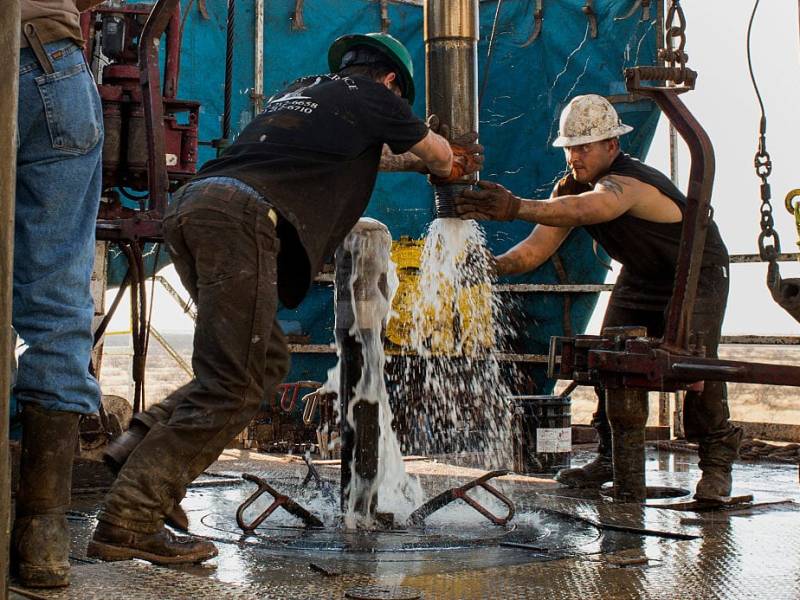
597, 472
162, 547
40, 543
716, 463
592, 475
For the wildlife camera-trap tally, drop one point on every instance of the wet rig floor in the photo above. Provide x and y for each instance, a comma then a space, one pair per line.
560, 544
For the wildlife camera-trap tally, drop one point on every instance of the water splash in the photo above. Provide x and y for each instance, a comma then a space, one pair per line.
454, 393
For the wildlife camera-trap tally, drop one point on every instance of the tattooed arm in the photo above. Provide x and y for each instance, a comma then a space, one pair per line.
611, 197
401, 162
533, 251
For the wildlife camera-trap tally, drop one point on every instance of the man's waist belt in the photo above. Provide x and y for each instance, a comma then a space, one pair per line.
272, 214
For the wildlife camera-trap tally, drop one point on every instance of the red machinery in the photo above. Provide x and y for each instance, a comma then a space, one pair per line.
143, 120
150, 141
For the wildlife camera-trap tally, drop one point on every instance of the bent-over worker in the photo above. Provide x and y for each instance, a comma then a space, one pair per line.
252, 228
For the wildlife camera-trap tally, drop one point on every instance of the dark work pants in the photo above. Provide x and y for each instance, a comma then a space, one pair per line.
224, 247
705, 416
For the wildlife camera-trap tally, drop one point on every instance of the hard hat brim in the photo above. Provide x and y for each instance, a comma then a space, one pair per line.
565, 141
340, 47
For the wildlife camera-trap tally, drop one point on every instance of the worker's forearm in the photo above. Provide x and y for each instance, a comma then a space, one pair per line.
517, 261
441, 163
401, 162
558, 212
435, 153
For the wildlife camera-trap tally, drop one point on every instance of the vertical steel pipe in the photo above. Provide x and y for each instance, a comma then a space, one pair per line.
258, 59
361, 306
152, 99
627, 410
627, 414
9, 72
451, 78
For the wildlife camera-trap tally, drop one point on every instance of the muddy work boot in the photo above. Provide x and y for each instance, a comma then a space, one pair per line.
600, 470
40, 541
716, 463
162, 547
118, 451
593, 475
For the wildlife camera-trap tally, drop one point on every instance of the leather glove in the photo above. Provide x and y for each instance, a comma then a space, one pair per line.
467, 154
467, 159
492, 202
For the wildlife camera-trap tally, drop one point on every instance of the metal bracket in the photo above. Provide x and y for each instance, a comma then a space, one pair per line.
645, 6
417, 518
288, 401
588, 10
538, 18
289, 505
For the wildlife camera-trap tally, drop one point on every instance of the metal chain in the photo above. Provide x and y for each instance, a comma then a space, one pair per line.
769, 244
675, 47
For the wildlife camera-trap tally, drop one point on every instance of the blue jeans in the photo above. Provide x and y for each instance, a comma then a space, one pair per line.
59, 157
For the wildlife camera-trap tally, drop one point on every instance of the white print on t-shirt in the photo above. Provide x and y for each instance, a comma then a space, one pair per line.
350, 83
294, 100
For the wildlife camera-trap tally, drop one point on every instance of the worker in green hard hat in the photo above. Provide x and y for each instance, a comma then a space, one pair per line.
376, 49
251, 230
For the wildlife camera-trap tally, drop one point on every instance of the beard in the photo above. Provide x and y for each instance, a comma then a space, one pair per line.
581, 176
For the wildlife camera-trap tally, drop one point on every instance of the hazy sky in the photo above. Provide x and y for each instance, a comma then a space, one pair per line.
726, 106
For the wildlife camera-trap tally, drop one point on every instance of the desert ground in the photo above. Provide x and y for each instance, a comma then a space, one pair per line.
756, 403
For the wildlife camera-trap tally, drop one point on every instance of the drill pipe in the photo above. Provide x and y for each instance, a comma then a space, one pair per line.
627, 416
451, 79
627, 409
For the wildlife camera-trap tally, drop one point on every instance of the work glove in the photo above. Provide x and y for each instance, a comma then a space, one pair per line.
467, 154
492, 202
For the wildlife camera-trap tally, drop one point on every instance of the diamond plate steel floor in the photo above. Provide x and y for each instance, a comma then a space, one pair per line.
745, 553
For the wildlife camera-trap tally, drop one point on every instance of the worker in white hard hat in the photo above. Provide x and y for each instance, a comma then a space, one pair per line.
635, 213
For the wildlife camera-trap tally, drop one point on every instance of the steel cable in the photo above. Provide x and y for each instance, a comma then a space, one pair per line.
226, 111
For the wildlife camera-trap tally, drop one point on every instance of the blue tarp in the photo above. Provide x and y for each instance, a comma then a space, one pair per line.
525, 92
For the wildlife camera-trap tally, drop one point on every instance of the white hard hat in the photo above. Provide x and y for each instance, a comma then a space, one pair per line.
588, 119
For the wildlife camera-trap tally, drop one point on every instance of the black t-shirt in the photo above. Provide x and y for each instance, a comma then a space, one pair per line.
648, 251
314, 155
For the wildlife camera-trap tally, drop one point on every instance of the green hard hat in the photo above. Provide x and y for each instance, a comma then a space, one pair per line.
383, 43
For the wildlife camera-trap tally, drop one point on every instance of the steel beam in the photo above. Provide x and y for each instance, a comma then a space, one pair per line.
9, 73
